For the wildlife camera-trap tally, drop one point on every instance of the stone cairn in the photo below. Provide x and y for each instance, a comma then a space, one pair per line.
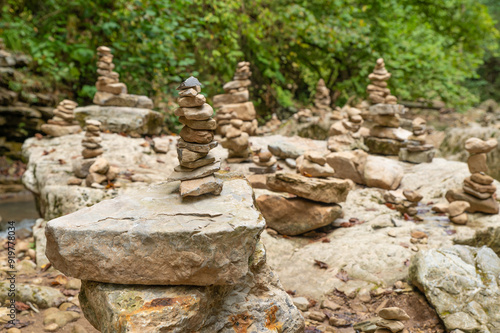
344, 134
416, 150
406, 205
478, 189
234, 104
313, 164
63, 122
196, 164
392, 320
304, 116
322, 99
110, 91
94, 169
377, 90
265, 161
236, 142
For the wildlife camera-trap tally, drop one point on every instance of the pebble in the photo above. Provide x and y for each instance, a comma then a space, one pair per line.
73, 284
393, 313
338, 322
391, 233
327, 304
78, 329
317, 315
51, 327
301, 303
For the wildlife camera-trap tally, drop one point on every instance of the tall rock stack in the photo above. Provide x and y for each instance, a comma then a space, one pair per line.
108, 81
92, 141
386, 137
150, 261
322, 99
344, 135
236, 142
478, 189
196, 164
234, 104
416, 150
377, 90
63, 122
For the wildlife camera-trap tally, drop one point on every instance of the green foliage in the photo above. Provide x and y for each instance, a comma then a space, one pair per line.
430, 47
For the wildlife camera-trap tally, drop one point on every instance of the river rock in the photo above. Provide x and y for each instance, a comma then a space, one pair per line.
209, 124
199, 186
196, 136
416, 156
477, 163
348, 165
257, 303
322, 190
399, 134
42, 296
294, 216
311, 169
478, 146
383, 172
488, 206
152, 236
462, 283
181, 173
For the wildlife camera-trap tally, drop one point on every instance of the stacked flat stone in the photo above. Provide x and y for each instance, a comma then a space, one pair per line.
63, 122
405, 205
313, 164
322, 99
416, 150
92, 141
236, 142
108, 80
377, 90
110, 91
303, 115
196, 164
234, 104
344, 134
392, 320
386, 137
316, 198
149, 260
478, 189
265, 161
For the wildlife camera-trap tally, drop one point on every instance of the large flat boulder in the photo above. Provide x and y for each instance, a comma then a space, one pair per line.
383, 173
330, 190
151, 236
130, 120
463, 285
257, 304
134, 101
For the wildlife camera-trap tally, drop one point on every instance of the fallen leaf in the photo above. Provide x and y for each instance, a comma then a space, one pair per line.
345, 225
406, 217
20, 306
46, 267
405, 245
61, 161
160, 161
291, 292
342, 275
110, 185
390, 206
38, 136
144, 166
450, 231
325, 240
145, 144
59, 280
312, 303
321, 264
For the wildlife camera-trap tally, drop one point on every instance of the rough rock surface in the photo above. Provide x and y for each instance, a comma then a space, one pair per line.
463, 285
258, 304
198, 241
294, 216
132, 121
383, 172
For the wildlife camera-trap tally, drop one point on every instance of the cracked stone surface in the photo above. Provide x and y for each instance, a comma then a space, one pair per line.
151, 236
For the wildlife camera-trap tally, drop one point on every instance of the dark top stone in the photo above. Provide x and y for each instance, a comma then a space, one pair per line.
189, 83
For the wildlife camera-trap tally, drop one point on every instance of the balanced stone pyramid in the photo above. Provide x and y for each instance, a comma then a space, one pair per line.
196, 164
63, 122
265, 161
377, 90
416, 150
234, 104
92, 141
236, 142
344, 134
478, 189
150, 261
322, 99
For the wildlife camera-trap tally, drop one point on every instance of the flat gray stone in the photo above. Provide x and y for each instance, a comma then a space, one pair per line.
181, 173
151, 236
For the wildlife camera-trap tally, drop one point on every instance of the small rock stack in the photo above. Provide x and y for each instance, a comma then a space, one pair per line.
386, 137
63, 122
344, 135
315, 204
234, 104
392, 320
377, 90
108, 81
196, 164
236, 142
478, 189
407, 205
416, 150
313, 164
265, 161
110, 91
303, 115
92, 141
322, 99
457, 212
100, 172
272, 125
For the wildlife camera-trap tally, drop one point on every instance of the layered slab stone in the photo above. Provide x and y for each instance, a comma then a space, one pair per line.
416, 156
386, 109
383, 146
56, 130
134, 101
330, 190
116, 119
239, 97
257, 304
488, 206
243, 111
154, 237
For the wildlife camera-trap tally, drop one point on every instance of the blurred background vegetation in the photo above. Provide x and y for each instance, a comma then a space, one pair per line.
436, 50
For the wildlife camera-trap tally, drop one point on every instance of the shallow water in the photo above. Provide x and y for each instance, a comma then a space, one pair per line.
18, 208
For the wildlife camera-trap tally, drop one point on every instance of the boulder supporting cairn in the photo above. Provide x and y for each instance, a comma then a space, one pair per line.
151, 262
236, 142
478, 189
110, 91
234, 104
63, 122
196, 164
416, 150
315, 206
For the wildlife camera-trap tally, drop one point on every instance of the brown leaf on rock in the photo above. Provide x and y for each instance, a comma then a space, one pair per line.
46, 267
390, 206
145, 144
342, 275
61, 161
321, 264
159, 161
59, 280
48, 152
38, 136
20, 306
144, 166
418, 234
291, 292
325, 240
